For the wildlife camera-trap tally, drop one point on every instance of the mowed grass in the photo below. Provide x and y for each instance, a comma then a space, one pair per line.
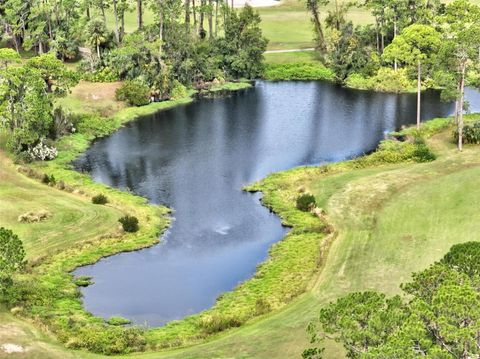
74, 218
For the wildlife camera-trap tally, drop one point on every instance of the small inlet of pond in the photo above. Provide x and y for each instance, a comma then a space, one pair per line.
196, 158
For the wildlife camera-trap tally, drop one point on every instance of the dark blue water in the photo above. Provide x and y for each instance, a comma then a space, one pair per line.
196, 159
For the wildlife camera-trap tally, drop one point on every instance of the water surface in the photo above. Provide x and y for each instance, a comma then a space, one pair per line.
196, 159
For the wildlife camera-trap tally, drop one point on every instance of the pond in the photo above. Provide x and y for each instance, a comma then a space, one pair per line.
196, 158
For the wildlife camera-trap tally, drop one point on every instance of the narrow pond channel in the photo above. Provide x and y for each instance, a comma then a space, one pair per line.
196, 158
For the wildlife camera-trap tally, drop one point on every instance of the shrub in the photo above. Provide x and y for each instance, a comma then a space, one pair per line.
99, 199
306, 202
48, 179
178, 90
94, 125
216, 323
134, 93
471, 133
42, 152
464, 257
83, 281
392, 151
129, 224
298, 71
104, 74
386, 80
117, 321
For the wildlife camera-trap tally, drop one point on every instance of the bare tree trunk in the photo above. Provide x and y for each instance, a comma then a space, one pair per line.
419, 93
216, 18
395, 64
187, 13
122, 24
377, 35
210, 19
460, 110
194, 8
140, 14
202, 15
115, 15
318, 28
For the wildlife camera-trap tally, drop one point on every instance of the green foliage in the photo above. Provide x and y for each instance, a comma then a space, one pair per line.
392, 151
306, 202
94, 125
134, 93
12, 256
178, 90
441, 318
464, 258
103, 74
108, 340
471, 133
385, 80
243, 46
217, 322
50, 180
100, 199
118, 321
129, 224
83, 281
8, 56
298, 71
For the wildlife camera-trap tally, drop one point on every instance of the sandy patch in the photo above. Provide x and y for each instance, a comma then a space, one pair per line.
10, 348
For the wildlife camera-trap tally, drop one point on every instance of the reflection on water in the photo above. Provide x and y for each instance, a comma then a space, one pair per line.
196, 158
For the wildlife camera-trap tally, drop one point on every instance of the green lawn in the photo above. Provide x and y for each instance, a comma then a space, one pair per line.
74, 218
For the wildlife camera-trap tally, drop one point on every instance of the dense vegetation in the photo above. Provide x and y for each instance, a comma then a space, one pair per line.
438, 317
430, 42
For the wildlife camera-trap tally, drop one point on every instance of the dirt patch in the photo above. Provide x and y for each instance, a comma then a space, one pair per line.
95, 91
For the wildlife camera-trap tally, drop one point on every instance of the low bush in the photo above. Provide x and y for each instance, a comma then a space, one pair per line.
471, 133
216, 323
392, 151
306, 202
118, 321
465, 258
386, 80
134, 93
50, 180
93, 125
298, 71
100, 199
104, 74
83, 281
129, 224
178, 91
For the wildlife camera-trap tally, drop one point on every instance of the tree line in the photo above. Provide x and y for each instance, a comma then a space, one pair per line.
434, 43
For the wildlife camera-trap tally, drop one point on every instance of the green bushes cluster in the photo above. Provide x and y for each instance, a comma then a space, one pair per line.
471, 133
108, 340
392, 151
129, 224
298, 71
103, 74
215, 323
93, 125
306, 202
385, 80
134, 93
99, 199
50, 180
